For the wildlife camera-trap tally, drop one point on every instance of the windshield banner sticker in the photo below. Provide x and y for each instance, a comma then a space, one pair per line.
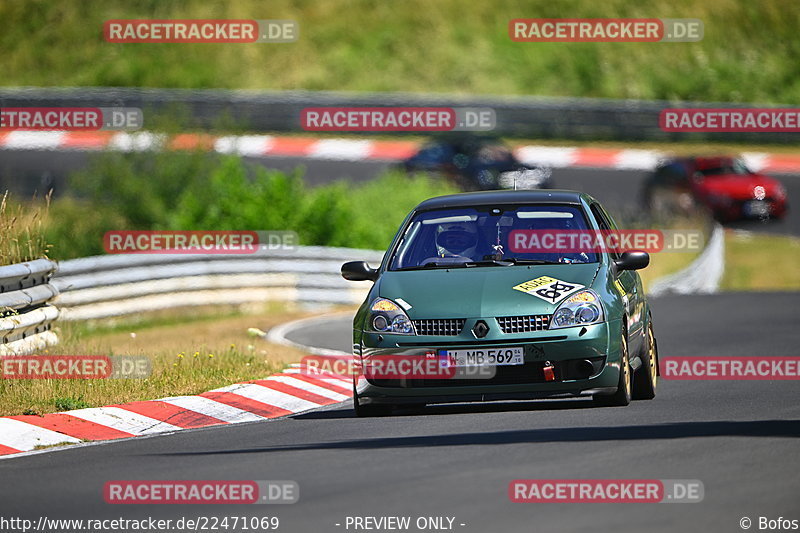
548, 289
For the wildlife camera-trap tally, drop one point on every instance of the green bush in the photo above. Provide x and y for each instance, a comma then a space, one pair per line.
143, 187
76, 227
195, 191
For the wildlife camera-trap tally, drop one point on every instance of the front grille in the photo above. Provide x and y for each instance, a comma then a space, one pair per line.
523, 323
439, 326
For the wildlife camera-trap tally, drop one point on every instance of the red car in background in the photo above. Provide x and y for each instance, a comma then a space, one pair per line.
724, 185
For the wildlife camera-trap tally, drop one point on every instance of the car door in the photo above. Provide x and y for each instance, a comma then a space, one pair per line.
630, 283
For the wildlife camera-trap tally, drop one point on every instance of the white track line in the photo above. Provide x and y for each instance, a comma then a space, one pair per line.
278, 334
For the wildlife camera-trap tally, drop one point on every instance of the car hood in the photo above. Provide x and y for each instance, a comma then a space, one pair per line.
740, 186
477, 291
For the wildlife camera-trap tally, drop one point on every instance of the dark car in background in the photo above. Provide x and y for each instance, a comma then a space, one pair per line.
722, 184
477, 163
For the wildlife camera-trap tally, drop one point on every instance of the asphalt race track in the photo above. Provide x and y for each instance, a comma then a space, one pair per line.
740, 438
38, 171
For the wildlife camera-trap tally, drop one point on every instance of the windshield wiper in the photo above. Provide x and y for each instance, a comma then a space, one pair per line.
517, 261
489, 262
433, 264
510, 261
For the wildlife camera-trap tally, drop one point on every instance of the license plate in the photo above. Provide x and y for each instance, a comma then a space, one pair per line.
756, 209
484, 356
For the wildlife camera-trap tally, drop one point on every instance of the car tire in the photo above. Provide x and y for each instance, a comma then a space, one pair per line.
622, 397
645, 381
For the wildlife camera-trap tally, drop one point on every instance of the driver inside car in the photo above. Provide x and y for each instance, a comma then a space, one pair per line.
457, 240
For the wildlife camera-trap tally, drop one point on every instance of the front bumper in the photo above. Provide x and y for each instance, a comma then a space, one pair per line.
742, 210
564, 349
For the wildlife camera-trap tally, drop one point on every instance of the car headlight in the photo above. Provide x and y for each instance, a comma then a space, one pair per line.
580, 309
387, 317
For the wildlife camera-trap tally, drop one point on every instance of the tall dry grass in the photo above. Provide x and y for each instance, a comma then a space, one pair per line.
22, 230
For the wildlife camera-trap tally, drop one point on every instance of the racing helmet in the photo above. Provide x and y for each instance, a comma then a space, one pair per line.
457, 239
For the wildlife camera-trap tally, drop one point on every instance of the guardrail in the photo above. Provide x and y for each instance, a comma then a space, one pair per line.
592, 119
34, 294
25, 311
703, 275
114, 285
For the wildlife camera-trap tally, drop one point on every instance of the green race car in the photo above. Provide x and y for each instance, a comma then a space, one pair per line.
509, 322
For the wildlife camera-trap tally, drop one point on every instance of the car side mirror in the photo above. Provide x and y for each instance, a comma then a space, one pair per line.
632, 261
359, 271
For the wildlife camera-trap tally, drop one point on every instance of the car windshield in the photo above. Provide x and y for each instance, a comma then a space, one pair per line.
491, 154
479, 236
734, 166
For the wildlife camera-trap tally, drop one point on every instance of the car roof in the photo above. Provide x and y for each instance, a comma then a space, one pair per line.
700, 160
528, 196
713, 162
466, 143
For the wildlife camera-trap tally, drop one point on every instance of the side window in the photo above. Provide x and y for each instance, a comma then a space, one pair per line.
607, 218
671, 174
604, 222
682, 173
662, 175
601, 221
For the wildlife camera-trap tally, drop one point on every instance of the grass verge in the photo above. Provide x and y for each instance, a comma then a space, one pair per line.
759, 262
663, 264
668, 262
188, 357
748, 53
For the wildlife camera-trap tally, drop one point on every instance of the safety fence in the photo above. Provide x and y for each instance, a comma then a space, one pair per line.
26, 310
113, 285
592, 119
34, 294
